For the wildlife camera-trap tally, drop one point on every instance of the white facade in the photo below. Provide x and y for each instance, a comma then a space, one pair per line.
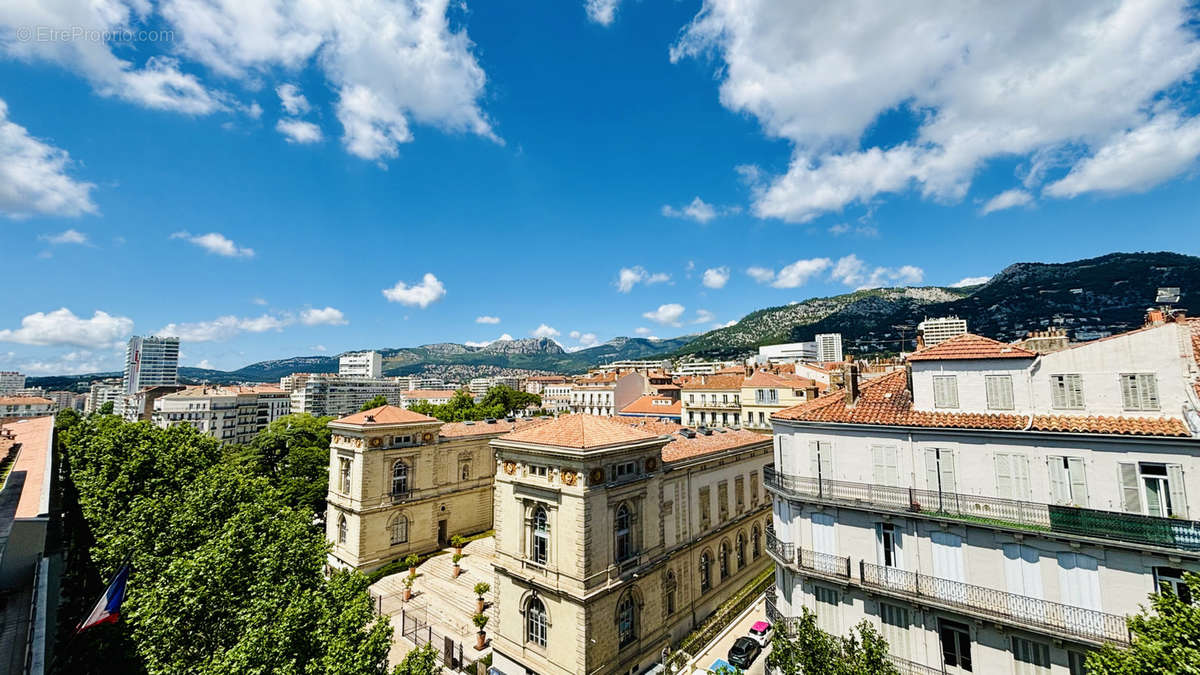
829, 347
25, 406
594, 398
986, 549
937, 331
101, 393
11, 381
700, 367
149, 362
361, 364
788, 353
228, 414
329, 394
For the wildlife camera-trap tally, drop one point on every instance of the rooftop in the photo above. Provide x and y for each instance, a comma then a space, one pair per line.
580, 432
383, 415
710, 382
24, 400
33, 435
468, 429
426, 394
971, 346
653, 405
765, 378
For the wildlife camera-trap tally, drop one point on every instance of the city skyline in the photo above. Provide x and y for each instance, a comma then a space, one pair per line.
263, 197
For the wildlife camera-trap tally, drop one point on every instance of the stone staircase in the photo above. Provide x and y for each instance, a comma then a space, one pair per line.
448, 603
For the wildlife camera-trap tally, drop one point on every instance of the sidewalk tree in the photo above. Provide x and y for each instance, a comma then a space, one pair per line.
421, 661
1166, 637
801, 647
293, 453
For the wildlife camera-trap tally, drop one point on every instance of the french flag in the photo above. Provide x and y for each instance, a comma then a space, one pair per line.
108, 608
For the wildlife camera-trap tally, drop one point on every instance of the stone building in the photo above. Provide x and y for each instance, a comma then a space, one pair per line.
616, 538
401, 482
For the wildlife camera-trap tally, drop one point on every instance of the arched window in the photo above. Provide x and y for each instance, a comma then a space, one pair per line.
741, 550
343, 529
398, 529
541, 536
399, 477
623, 526
466, 472
724, 555
626, 620
535, 622
670, 586
755, 542
705, 572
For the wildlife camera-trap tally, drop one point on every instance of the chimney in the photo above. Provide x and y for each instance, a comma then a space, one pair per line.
920, 340
1155, 317
850, 381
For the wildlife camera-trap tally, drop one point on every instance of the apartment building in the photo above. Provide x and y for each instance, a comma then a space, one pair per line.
932, 332
228, 414
150, 361
401, 483
25, 406
361, 364
663, 408
140, 406
538, 383
11, 381
616, 539
103, 392
829, 347
974, 507
687, 368
606, 393
766, 392
330, 394
424, 382
712, 401
433, 396
556, 397
791, 352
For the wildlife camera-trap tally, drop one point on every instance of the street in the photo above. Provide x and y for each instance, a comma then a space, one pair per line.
719, 648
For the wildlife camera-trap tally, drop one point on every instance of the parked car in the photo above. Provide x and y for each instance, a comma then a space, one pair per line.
743, 652
761, 632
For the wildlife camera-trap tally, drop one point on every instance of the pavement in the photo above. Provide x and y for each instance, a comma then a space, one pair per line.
719, 647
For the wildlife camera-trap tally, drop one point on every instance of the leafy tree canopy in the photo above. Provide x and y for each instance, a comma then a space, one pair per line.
801, 647
1166, 637
421, 661
106, 408
500, 401
376, 402
293, 453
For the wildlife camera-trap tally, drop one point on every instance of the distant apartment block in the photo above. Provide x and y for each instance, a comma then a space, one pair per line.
479, 386
361, 364
700, 367
712, 401
829, 347
933, 332
228, 414
25, 406
11, 381
637, 365
432, 396
103, 392
424, 382
791, 352
150, 362
766, 392
330, 394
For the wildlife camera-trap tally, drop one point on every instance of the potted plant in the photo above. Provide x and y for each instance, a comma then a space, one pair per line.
412, 561
480, 621
457, 542
481, 589
457, 568
408, 582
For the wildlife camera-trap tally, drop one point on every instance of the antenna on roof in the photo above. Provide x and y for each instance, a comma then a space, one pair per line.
1167, 295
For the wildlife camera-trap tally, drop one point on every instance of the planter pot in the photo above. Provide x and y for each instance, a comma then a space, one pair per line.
479, 606
481, 641
458, 550
407, 594
412, 572
457, 571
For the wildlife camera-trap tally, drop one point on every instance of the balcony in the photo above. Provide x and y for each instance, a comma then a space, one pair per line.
1093, 523
713, 405
1017, 610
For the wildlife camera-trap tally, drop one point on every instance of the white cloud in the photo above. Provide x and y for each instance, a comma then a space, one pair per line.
970, 281
716, 277
704, 316
853, 271
761, 274
1006, 200
602, 12
429, 291
223, 328
65, 237
982, 82
204, 363
299, 131
727, 324
71, 363
585, 339
262, 302
697, 210
294, 103
62, 327
484, 343
544, 331
859, 230
642, 330
215, 242
323, 317
629, 277
33, 174
667, 314
487, 319
318, 348
799, 272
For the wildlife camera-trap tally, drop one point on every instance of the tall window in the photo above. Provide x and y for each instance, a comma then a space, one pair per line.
343, 529
399, 477
1068, 481
705, 572
755, 542
670, 586
1066, 391
626, 620
398, 529
465, 474
1172, 577
344, 476
535, 622
623, 527
741, 550
724, 559
828, 600
1032, 658
1158, 486
541, 536
956, 645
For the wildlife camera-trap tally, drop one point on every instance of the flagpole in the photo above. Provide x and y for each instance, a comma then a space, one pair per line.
59, 649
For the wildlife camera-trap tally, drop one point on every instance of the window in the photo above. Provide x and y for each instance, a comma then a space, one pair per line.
999, 392
723, 557
541, 536
1079, 581
945, 391
939, 470
741, 550
625, 469
886, 469
753, 488
398, 529
626, 619
539, 471
755, 543
705, 508
1012, 475
739, 493
399, 477
956, 644
1159, 485
895, 628
342, 529
705, 572
344, 481
670, 585
1139, 391
623, 527
888, 540
820, 459
1068, 482
1031, 658
1172, 577
827, 609
766, 396
1076, 663
762, 419
535, 622
1066, 391
465, 474
723, 500
402, 440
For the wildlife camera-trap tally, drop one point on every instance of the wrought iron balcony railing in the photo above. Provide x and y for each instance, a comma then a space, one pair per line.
1112, 525
781, 550
825, 563
1021, 610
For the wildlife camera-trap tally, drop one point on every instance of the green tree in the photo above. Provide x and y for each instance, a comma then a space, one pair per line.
293, 453
421, 661
509, 400
106, 408
376, 402
803, 648
1166, 637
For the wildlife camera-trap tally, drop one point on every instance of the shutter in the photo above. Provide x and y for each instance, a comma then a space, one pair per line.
1004, 477
822, 533
1175, 487
947, 556
1129, 392
1060, 491
931, 477
1006, 392
891, 458
1131, 497
878, 470
989, 383
1148, 388
952, 385
812, 458
1020, 464
1079, 491
1075, 390
946, 463
826, 453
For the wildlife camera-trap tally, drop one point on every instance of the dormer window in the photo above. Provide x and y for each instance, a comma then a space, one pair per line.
945, 391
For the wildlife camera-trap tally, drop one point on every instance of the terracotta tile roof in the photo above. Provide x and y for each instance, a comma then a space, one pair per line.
653, 405
710, 382
385, 414
499, 427
1193, 323
971, 346
682, 447
34, 437
426, 394
580, 432
24, 400
887, 401
763, 378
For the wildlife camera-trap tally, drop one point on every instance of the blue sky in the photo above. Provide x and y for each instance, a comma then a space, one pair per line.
581, 170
